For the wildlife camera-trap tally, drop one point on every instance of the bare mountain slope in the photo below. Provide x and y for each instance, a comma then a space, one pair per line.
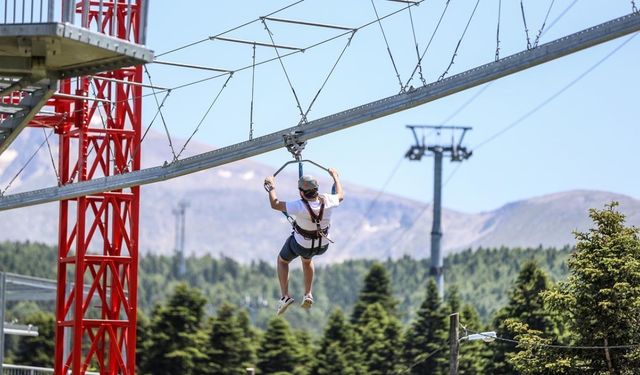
229, 213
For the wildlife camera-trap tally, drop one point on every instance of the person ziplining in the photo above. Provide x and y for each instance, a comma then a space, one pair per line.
310, 217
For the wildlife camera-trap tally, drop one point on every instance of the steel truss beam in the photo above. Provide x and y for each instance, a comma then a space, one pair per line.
98, 234
509, 65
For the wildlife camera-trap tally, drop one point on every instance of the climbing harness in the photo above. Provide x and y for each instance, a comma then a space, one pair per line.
295, 146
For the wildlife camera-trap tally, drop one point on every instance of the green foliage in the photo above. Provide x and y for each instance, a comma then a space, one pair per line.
228, 348
376, 289
279, 349
177, 339
483, 277
600, 300
425, 341
526, 305
381, 340
339, 352
38, 351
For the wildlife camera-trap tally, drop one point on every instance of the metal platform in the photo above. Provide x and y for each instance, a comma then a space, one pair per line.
61, 50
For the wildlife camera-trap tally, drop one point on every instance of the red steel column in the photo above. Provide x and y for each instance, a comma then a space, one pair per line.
98, 238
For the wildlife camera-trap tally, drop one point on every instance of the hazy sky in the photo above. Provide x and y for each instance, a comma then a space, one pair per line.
586, 138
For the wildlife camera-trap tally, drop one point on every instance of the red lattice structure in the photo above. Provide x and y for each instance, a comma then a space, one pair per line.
98, 234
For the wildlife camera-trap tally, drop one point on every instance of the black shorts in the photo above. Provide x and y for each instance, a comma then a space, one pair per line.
292, 249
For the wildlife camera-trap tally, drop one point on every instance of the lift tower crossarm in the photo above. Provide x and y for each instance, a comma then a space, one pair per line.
512, 64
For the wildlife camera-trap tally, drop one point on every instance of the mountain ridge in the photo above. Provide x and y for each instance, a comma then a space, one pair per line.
229, 213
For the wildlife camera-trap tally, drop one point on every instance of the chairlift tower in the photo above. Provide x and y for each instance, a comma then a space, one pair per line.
180, 214
458, 153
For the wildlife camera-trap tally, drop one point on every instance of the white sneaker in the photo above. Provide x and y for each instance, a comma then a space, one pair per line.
283, 304
307, 301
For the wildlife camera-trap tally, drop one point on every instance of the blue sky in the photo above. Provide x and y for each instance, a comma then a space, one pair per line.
584, 139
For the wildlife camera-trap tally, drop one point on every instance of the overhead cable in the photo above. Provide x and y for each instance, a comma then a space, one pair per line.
415, 42
555, 95
386, 42
455, 52
164, 123
215, 99
303, 119
524, 20
424, 52
227, 31
498, 32
558, 346
535, 44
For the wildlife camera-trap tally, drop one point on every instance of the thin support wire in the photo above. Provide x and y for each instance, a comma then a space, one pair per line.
135, 152
524, 20
554, 96
226, 31
204, 116
2, 192
372, 205
535, 44
415, 41
53, 163
353, 33
634, 8
558, 346
419, 359
408, 229
303, 119
415, 69
388, 15
467, 103
104, 125
498, 31
386, 42
253, 77
164, 123
560, 16
455, 52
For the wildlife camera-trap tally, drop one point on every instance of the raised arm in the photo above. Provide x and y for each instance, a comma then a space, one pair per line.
336, 180
270, 187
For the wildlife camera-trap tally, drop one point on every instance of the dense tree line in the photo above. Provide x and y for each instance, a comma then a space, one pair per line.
483, 278
586, 323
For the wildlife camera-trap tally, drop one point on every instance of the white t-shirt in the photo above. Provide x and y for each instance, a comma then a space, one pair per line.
298, 210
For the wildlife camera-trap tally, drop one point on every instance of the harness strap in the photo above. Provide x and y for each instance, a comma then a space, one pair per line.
319, 233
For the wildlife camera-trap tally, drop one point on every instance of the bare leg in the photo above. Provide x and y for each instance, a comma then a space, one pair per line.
307, 271
283, 276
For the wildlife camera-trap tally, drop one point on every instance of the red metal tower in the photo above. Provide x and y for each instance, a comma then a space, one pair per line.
98, 234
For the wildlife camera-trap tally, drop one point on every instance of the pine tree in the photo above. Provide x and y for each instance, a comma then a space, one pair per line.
338, 352
278, 351
37, 351
143, 341
381, 340
177, 340
251, 337
600, 301
426, 339
227, 344
376, 289
526, 305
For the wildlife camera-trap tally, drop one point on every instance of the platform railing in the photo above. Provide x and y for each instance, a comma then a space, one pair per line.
27, 11
31, 370
42, 11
